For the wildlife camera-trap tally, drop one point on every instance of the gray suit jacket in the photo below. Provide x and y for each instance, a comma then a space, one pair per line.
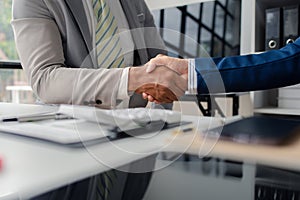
53, 38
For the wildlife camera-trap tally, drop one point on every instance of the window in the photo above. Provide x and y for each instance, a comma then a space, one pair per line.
7, 46
212, 26
13, 84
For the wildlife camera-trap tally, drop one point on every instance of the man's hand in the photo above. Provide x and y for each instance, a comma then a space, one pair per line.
163, 84
160, 92
178, 65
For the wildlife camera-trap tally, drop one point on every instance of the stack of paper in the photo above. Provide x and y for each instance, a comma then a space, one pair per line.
123, 118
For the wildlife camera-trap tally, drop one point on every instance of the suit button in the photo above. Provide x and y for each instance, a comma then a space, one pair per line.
98, 101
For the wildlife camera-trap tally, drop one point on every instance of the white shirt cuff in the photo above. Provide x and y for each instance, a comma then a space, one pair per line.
123, 86
192, 77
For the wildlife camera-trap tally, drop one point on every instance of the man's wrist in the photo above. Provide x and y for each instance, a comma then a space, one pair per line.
123, 85
135, 78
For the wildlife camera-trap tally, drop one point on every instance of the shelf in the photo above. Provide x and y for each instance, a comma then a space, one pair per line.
278, 111
266, 102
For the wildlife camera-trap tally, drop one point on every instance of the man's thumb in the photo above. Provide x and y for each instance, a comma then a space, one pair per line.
150, 67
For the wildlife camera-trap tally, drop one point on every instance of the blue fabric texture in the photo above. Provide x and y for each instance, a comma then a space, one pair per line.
271, 69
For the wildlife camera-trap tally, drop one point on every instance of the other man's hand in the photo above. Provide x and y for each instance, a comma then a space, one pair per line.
163, 84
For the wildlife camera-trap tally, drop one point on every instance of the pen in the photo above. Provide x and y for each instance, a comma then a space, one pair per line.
177, 132
31, 118
187, 129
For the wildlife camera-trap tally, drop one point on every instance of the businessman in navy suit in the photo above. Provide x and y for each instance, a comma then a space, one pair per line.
271, 69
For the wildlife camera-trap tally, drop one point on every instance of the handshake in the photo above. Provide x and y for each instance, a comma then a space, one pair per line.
162, 80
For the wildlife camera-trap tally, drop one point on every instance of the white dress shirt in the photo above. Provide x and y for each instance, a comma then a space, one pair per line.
192, 77
126, 40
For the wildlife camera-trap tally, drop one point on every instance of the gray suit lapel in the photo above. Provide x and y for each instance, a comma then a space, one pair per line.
131, 13
78, 12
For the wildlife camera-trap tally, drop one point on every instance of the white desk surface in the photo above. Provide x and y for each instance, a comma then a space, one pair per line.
31, 167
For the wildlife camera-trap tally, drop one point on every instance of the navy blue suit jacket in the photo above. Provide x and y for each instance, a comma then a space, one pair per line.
271, 69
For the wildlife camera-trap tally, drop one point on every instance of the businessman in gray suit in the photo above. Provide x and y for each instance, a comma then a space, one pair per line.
57, 44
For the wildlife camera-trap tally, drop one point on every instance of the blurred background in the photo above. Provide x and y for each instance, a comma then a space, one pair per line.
201, 29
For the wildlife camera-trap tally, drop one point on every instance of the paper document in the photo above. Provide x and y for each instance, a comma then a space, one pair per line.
123, 118
90, 124
9, 110
63, 132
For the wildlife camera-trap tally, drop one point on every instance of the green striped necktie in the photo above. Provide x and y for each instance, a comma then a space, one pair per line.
108, 48
105, 183
109, 54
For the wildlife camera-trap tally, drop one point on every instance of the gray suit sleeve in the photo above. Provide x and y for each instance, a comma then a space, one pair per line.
40, 49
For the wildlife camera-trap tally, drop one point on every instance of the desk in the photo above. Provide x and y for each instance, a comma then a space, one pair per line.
31, 167
229, 170
285, 156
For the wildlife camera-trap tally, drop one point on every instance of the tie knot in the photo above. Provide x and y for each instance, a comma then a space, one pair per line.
99, 7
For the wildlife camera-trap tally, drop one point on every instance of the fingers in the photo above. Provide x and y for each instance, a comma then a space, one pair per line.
180, 66
150, 98
160, 59
155, 92
145, 95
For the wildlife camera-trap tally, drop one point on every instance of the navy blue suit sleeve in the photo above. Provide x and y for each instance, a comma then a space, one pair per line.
271, 69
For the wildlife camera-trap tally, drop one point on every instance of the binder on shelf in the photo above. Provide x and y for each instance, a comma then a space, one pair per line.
273, 28
290, 24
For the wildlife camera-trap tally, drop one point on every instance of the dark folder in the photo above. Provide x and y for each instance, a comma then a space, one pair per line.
290, 24
259, 130
273, 28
